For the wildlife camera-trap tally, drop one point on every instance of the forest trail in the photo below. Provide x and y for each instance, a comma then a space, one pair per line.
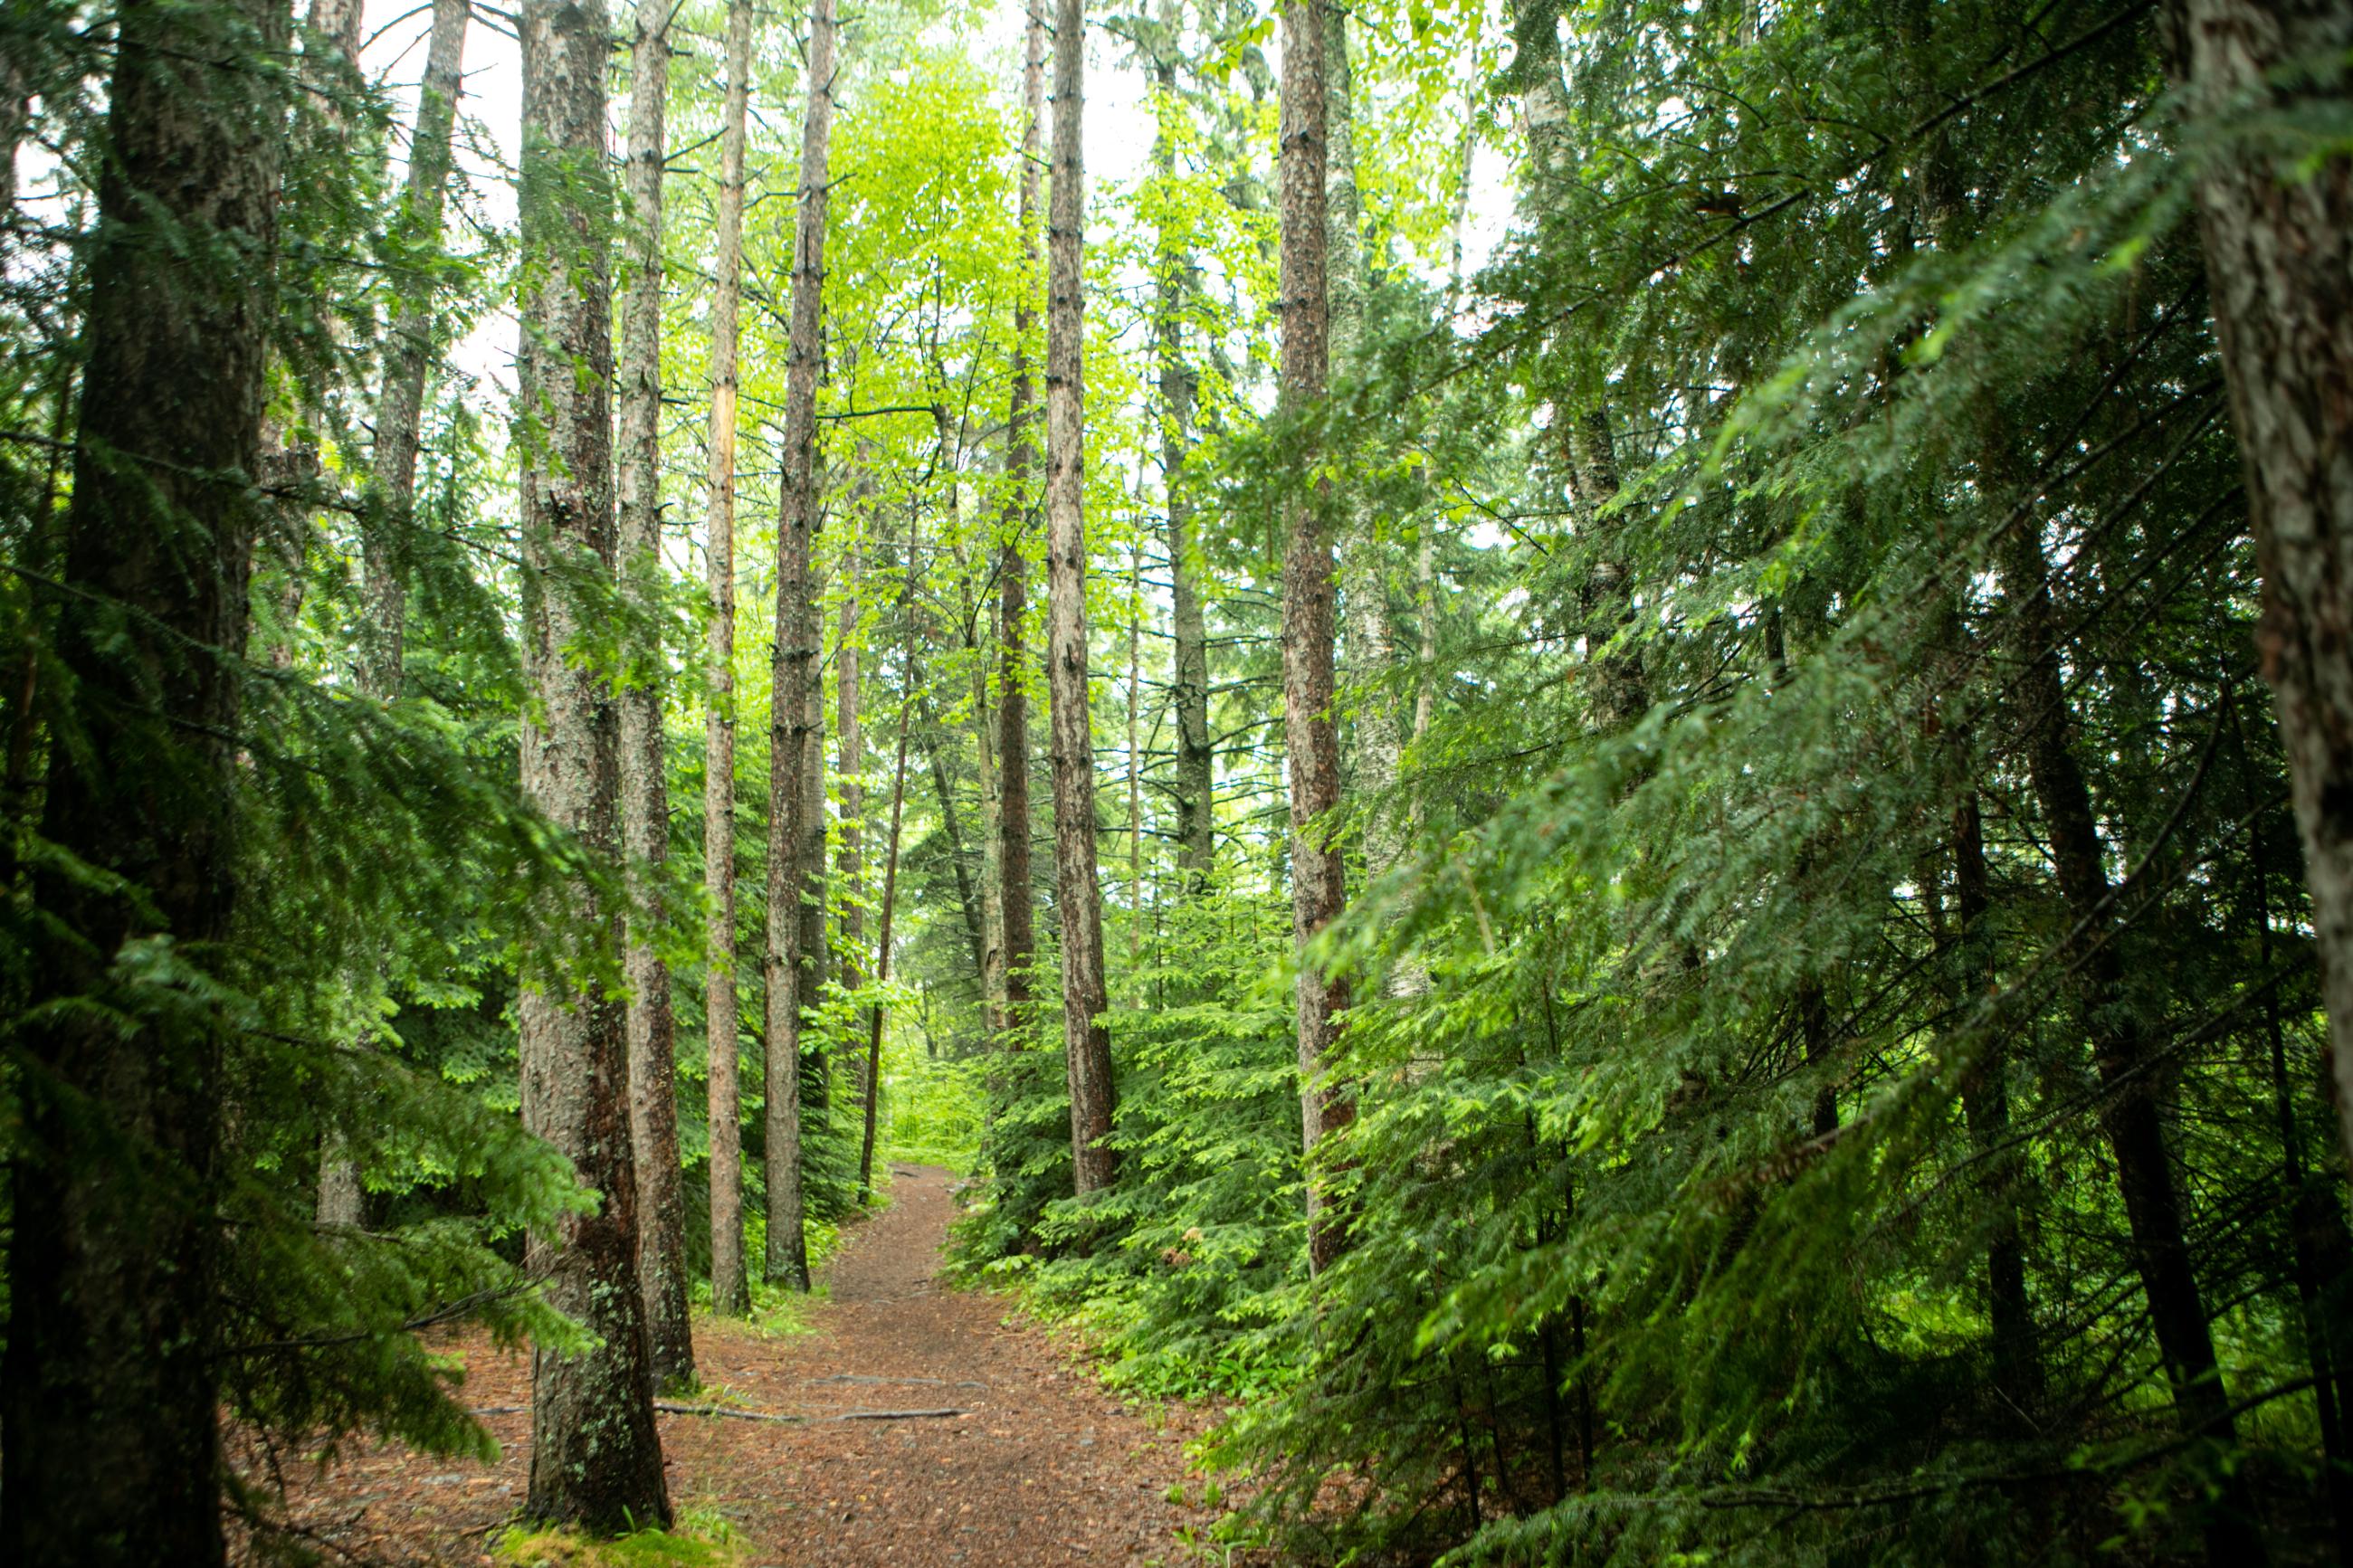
1039, 1470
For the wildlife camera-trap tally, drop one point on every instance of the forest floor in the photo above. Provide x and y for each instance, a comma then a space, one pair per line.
1038, 1468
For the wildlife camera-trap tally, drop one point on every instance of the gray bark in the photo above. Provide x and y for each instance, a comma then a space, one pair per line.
791, 743
596, 1458
730, 1288
645, 782
1085, 1034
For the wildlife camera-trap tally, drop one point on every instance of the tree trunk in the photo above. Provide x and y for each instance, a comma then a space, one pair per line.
882, 936
2279, 257
1085, 1034
1173, 284
791, 747
645, 784
1015, 898
969, 904
109, 1450
1309, 738
412, 344
1985, 1105
850, 757
596, 1458
2135, 1128
731, 1293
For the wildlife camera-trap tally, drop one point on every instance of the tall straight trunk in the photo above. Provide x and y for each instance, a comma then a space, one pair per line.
1174, 282
731, 1293
890, 906
882, 963
2279, 257
1079, 895
1984, 1106
411, 346
1371, 645
414, 342
849, 759
109, 1447
1135, 750
645, 784
1015, 898
596, 1460
1309, 738
992, 879
2131, 1117
790, 741
815, 875
968, 902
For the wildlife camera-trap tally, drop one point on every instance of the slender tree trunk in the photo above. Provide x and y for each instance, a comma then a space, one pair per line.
596, 1458
850, 757
790, 745
2279, 255
109, 1449
969, 904
1079, 900
882, 936
1985, 1105
992, 877
1174, 283
644, 783
1014, 897
729, 1288
1311, 739
2135, 1128
1370, 642
1134, 749
412, 345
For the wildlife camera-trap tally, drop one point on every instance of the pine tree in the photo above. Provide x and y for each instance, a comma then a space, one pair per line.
596, 1458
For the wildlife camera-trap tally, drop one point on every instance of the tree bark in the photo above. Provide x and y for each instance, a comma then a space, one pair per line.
791, 747
1984, 1106
1016, 900
729, 1288
890, 905
596, 1458
1085, 1034
411, 346
1309, 738
1173, 285
414, 342
109, 1450
2131, 1119
2279, 257
644, 783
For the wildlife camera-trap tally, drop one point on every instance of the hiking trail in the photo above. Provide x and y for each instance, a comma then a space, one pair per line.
1039, 1468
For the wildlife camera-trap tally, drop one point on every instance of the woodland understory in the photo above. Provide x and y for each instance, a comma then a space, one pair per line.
1593, 760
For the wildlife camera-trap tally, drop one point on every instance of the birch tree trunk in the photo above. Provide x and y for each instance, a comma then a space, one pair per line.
1311, 740
1015, 901
645, 786
793, 683
596, 1458
729, 1288
2279, 257
109, 1447
1078, 894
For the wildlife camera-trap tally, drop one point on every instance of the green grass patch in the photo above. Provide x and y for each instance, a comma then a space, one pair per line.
701, 1539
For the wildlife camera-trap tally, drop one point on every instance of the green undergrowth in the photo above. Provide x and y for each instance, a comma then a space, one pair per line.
701, 1539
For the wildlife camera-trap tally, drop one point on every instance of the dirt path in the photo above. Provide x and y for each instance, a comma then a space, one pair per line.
1039, 1470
